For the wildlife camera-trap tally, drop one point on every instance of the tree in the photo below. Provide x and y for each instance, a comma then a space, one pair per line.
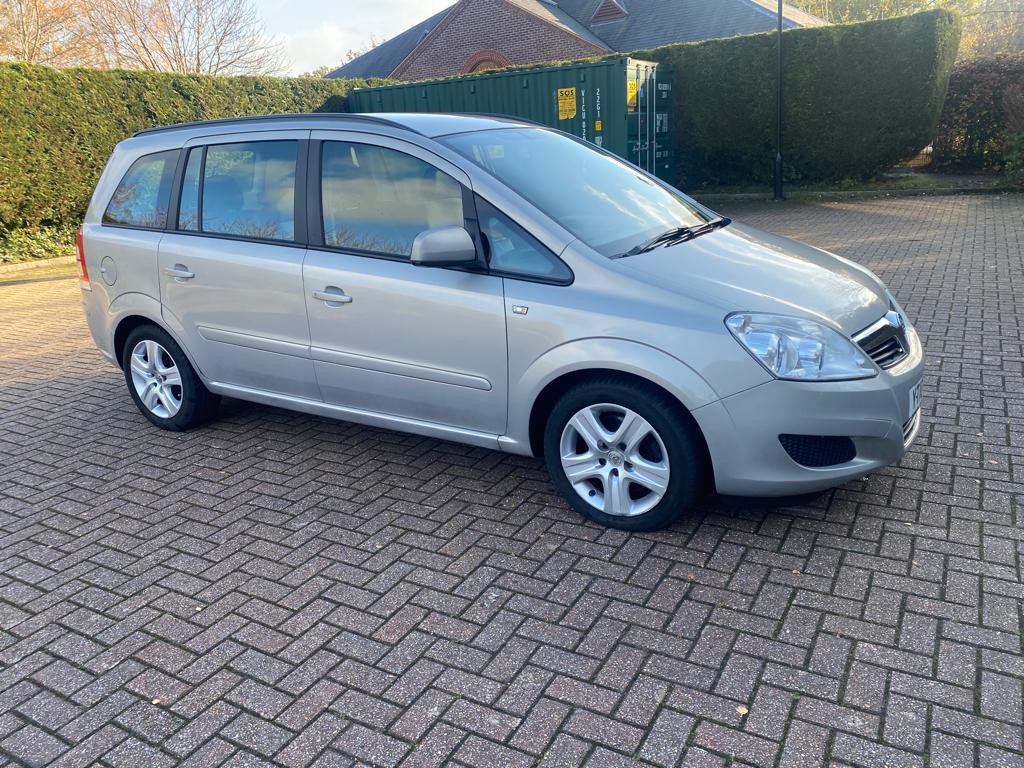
352, 53
990, 26
48, 32
322, 71
840, 11
215, 37
995, 27
365, 47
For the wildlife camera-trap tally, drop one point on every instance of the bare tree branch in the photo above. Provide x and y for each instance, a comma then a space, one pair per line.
48, 32
215, 37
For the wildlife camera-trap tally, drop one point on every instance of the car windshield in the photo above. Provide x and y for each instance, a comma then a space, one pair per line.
605, 202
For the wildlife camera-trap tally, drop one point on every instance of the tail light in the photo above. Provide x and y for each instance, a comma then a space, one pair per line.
83, 271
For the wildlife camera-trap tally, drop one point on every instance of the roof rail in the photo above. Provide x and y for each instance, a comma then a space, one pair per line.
287, 116
501, 116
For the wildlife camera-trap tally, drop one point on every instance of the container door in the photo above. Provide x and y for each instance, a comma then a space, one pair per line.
641, 87
662, 122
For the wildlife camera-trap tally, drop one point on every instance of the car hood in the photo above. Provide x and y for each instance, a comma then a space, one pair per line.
739, 268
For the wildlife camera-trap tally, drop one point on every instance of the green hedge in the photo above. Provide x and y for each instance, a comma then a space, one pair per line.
59, 126
974, 131
858, 98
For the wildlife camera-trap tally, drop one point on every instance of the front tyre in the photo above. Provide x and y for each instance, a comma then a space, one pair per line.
162, 382
623, 455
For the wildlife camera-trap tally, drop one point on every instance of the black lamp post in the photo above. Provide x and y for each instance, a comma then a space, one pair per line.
778, 127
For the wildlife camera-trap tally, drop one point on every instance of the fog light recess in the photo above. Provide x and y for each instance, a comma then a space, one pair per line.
813, 451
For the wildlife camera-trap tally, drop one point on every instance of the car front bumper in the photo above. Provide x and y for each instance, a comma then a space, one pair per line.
742, 431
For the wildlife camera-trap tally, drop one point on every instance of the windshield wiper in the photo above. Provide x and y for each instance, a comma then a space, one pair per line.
677, 235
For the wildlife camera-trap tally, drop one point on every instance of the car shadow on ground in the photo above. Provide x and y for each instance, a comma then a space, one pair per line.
712, 507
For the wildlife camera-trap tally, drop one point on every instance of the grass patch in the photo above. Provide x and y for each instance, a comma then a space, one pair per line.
893, 182
42, 272
21, 245
909, 182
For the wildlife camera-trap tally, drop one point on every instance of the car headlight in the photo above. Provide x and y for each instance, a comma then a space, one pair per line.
799, 350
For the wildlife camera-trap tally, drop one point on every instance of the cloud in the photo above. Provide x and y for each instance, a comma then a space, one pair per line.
320, 32
307, 49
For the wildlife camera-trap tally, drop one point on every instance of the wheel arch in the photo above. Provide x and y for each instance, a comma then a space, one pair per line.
557, 387
123, 330
134, 310
533, 392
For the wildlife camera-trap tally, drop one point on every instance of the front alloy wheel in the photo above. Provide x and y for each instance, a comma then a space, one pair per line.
616, 461
624, 453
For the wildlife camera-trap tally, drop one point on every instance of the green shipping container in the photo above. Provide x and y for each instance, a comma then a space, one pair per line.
619, 104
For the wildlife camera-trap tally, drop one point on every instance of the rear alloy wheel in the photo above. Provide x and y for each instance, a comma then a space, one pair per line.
156, 378
162, 382
622, 455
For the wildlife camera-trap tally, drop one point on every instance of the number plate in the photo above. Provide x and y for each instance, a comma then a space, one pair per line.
915, 398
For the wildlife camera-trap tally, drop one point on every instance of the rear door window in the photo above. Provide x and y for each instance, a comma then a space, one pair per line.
378, 200
244, 190
141, 197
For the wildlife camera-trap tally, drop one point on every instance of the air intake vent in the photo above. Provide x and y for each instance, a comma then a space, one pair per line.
609, 10
811, 451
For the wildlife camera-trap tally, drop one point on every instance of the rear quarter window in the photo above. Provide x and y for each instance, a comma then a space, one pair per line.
142, 195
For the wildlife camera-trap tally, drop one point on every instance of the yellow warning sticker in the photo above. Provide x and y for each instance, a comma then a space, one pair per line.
566, 103
631, 92
598, 126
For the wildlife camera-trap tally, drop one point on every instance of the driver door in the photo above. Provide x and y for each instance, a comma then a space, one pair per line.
425, 344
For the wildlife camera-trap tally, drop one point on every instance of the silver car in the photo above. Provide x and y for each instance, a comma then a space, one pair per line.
496, 283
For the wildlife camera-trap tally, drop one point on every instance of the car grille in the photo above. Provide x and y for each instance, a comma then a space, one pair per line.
885, 341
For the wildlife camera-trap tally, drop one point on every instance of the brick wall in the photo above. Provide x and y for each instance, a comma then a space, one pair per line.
490, 26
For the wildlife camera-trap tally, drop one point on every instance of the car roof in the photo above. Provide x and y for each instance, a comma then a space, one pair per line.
441, 124
425, 124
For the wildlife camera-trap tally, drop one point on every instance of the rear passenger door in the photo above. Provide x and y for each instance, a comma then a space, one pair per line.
231, 268
421, 343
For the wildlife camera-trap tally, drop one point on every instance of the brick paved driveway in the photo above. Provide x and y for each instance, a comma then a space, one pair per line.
283, 589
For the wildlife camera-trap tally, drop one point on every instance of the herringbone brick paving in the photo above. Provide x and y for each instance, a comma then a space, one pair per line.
281, 589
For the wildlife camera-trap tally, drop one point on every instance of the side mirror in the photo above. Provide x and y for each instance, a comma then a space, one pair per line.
443, 247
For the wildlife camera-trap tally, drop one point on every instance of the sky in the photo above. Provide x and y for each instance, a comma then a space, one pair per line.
315, 32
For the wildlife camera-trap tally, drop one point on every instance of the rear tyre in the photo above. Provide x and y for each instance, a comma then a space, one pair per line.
163, 383
623, 455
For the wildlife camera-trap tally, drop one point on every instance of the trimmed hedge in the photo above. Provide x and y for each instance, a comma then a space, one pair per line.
59, 126
974, 130
858, 98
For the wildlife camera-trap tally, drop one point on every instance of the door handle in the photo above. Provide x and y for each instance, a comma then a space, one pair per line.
332, 295
179, 272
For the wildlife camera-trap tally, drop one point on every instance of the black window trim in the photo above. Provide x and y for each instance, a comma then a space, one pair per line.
176, 184
315, 212
516, 275
309, 228
174, 209
315, 222
299, 222
314, 196
200, 189
170, 194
